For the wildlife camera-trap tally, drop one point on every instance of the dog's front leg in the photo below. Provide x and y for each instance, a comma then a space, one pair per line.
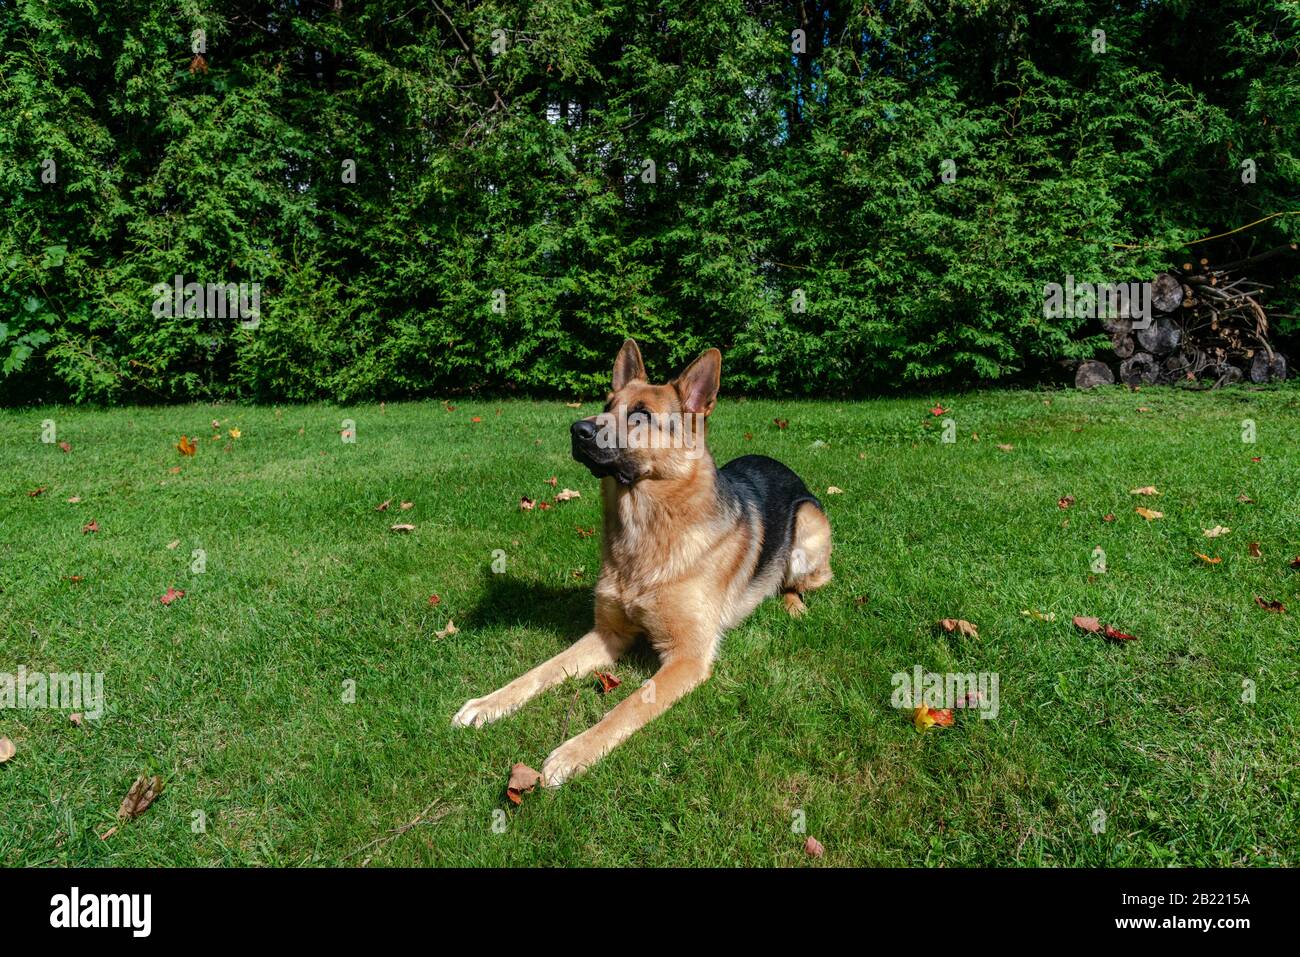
653, 698
596, 649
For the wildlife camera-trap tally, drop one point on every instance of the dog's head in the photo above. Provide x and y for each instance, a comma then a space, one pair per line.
649, 431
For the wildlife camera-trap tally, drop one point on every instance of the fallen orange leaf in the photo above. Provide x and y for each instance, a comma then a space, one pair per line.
925, 718
142, 794
951, 625
522, 780
185, 446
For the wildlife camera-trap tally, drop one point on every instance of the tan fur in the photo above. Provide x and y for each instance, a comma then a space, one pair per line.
676, 569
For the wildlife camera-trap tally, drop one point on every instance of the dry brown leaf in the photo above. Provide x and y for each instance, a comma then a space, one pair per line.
383, 506
74, 500
522, 780
834, 490
143, 793
552, 481
407, 506
1207, 559
173, 543
1245, 499
567, 494
402, 527
1149, 514
525, 503
951, 625
1145, 490
185, 446
36, 491
1006, 448
1065, 501
607, 681
813, 847
1254, 550
1087, 623
1216, 531
1268, 605
451, 629
89, 527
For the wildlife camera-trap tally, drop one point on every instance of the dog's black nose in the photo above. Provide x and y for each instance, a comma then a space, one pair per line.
584, 430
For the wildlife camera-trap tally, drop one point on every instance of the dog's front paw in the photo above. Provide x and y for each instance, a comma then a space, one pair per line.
480, 711
567, 761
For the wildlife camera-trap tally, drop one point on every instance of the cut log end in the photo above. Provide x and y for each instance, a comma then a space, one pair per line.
1141, 368
1093, 373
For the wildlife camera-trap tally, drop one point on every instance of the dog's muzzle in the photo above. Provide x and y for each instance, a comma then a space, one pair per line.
599, 461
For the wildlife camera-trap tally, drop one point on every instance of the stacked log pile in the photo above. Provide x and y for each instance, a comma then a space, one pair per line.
1208, 325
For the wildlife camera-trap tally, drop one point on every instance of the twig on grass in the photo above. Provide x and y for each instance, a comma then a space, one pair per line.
421, 818
564, 732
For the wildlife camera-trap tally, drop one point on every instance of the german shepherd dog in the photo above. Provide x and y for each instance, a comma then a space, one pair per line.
688, 551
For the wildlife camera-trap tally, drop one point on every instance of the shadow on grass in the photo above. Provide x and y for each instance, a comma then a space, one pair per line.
567, 610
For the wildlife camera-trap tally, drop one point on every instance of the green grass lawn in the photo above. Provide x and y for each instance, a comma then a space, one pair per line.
235, 693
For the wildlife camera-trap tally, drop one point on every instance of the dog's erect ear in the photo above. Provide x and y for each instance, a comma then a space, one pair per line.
628, 366
698, 383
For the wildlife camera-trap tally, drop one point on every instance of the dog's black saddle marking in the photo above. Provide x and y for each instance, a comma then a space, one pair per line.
763, 486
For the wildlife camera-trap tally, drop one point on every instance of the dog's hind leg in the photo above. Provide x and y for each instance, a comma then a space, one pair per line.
810, 557
596, 649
